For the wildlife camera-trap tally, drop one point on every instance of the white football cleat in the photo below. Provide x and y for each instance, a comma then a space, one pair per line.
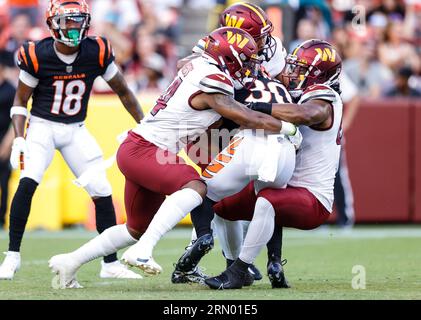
117, 270
10, 265
65, 268
146, 264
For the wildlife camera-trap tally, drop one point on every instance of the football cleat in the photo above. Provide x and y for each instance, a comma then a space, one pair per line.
232, 278
276, 273
117, 270
191, 257
10, 265
253, 271
65, 268
147, 264
195, 276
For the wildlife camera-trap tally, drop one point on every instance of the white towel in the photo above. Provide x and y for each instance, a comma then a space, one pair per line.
269, 168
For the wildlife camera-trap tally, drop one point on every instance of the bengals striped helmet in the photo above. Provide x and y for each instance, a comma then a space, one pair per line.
68, 21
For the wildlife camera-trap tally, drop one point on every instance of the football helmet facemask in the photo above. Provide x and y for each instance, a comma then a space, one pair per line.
68, 21
312, 62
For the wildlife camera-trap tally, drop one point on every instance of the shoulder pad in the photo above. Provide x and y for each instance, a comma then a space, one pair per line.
216, 83
318, 91
106, 54
27, 58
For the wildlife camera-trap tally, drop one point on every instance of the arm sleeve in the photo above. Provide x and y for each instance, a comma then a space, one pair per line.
28, 79
111, 71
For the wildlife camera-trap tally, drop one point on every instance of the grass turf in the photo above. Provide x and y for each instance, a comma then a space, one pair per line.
319, 267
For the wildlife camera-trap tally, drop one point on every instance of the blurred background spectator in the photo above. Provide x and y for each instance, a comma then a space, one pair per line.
29, 8
7, 93
376, 38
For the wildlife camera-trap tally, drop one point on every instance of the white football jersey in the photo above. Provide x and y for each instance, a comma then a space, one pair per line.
273, 67
318, 158
173, 122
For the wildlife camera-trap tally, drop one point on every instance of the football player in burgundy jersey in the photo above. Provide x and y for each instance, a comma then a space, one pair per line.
312, 76
201, 93
58, 72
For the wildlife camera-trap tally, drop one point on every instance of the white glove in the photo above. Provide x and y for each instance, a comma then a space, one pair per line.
19, 152
296, 139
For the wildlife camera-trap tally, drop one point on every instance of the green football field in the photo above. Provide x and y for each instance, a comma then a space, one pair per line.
321, 264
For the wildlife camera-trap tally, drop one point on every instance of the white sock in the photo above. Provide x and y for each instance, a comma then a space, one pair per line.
173, 209
260, 230
109, 241
230, 235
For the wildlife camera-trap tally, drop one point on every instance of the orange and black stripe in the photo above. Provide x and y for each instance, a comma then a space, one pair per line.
221, 159
22, 56
101, 56
109, 49
33, 56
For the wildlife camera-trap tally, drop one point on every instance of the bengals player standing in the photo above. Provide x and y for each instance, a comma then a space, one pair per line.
58, 72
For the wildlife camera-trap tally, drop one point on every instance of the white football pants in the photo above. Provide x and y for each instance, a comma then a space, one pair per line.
77, 146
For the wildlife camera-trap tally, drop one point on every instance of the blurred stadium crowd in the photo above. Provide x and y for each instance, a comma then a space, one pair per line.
379, 40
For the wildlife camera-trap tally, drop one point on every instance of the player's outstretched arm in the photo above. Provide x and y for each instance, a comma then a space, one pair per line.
20, 104
314, 112
119, 85
227, 107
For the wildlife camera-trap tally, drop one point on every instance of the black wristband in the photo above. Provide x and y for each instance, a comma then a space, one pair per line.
261, 107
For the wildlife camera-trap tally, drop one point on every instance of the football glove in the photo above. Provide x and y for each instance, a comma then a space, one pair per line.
296, 139
19, 152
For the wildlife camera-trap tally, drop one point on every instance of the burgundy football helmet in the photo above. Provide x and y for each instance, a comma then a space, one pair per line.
255, 21
312, 62
234, 51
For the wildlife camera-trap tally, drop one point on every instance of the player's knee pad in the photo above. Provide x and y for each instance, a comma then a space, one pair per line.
99, 187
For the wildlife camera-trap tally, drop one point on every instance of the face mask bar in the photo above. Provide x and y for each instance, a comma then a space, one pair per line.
70, 29
270, 44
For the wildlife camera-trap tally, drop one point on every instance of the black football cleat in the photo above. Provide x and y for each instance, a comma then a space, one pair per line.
229, 279
276, 273
191, 257
195, 276
254, 273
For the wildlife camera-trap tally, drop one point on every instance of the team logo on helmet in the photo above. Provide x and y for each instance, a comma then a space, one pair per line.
312, 62
234, 51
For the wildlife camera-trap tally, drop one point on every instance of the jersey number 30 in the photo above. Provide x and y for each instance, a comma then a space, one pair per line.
68, 97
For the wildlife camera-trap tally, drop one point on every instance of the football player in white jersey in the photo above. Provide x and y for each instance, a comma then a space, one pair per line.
311, 74
254, 20
199, 96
